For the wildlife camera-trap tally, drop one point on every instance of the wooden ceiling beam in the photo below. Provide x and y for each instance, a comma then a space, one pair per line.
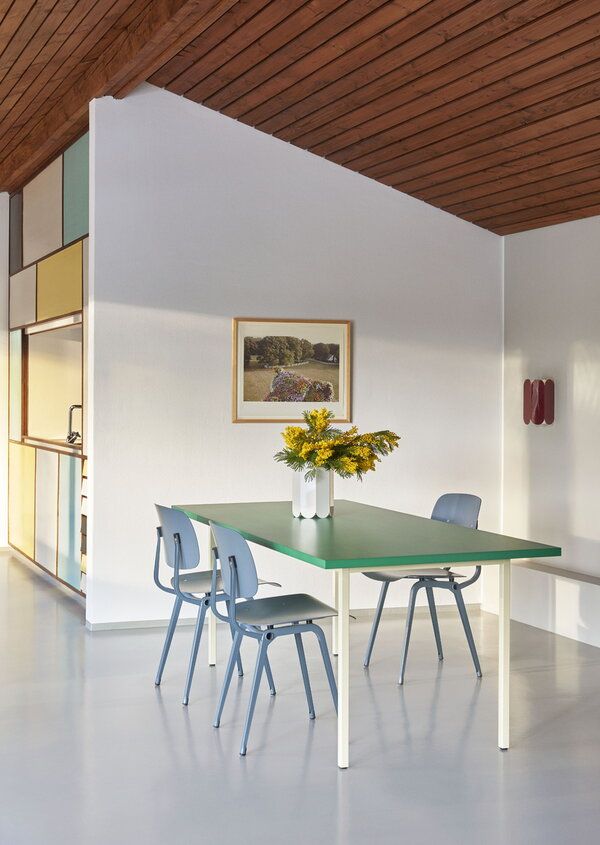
294, 92
510, 153
428, 135
465, 55
544, 210
487, 73
548, 220
529, 182
145, 45
582, 182
217, 34
312, 34
299, 35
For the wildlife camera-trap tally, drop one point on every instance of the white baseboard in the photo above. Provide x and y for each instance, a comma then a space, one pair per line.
357, 613
136, 623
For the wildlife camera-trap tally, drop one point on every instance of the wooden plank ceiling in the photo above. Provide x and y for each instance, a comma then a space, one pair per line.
487, 109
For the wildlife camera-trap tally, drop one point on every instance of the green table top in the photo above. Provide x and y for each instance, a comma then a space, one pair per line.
361, 536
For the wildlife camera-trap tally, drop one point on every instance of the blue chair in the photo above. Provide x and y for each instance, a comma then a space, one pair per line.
263, 620
182, 555
458, 509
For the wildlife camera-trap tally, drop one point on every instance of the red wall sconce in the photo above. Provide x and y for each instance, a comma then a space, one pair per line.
538, 401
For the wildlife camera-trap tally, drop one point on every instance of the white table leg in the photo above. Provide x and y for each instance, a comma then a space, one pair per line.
335, 619
343, 666
212, 619
504, 657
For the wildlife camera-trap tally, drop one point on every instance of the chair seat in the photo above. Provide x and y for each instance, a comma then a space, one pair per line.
434, 572
201, 582
279, 610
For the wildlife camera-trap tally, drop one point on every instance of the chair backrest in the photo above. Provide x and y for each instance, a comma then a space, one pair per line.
458, 509
231, 544
176, 522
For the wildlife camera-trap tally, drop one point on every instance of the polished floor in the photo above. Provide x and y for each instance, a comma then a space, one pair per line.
92, 754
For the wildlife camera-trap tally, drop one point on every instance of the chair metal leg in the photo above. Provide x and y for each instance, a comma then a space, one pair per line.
460, 603
269, 675
328, 666
194, 653
409, 620
305, 678
375, 625
233, 656
239, 660
260, 662
167, 644
434, 622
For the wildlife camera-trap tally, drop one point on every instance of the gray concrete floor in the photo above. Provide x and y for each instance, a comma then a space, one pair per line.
91, 752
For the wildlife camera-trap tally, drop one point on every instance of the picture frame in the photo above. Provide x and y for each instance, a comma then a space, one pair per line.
284, 366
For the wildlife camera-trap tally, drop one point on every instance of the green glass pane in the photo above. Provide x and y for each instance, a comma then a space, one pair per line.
69, 520
361, 536
76, 190
14, 426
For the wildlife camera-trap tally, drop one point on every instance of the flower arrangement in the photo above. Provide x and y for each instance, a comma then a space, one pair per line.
322, 446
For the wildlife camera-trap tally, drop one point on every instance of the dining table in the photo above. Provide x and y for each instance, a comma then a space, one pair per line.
358, 538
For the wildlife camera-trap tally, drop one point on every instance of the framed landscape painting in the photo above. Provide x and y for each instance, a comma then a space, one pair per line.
284, 367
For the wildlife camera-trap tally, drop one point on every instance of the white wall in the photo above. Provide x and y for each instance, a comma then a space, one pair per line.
196, 218
552, 473
4, 368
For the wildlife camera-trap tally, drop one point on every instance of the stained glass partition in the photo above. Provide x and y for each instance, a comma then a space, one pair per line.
69, 520
21, 505
15, 380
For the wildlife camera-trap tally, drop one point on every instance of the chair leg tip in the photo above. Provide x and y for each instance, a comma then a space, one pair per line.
311, 715
185, 702
216, 724
272, 692
242, 752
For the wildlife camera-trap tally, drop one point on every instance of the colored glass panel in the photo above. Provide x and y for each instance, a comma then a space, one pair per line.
22, 297
76, 190
42, 213
46, 493
60, 283
54, 382
15, 398
69, 520
16, 233
21, 497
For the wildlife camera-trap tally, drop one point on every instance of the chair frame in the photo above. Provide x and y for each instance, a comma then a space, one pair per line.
202, 602
428, 583
264, 636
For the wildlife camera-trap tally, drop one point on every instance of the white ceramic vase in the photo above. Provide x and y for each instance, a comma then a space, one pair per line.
313, 497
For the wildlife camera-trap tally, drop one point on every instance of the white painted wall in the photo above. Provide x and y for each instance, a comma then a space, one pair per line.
552, 473
4, 368
196, 218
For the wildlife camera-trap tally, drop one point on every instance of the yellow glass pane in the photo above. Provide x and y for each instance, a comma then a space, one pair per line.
21, 497
60, 283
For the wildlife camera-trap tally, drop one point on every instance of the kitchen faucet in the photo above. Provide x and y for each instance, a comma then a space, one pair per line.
73, 436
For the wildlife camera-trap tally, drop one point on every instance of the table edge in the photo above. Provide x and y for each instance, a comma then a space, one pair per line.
385, 562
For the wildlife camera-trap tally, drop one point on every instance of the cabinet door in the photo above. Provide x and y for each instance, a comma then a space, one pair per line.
46, 491
21, 497
69, 520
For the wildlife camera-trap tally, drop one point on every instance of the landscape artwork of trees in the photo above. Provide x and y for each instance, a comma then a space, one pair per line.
284, 368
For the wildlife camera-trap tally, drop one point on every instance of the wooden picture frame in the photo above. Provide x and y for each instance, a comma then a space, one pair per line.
282, 367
